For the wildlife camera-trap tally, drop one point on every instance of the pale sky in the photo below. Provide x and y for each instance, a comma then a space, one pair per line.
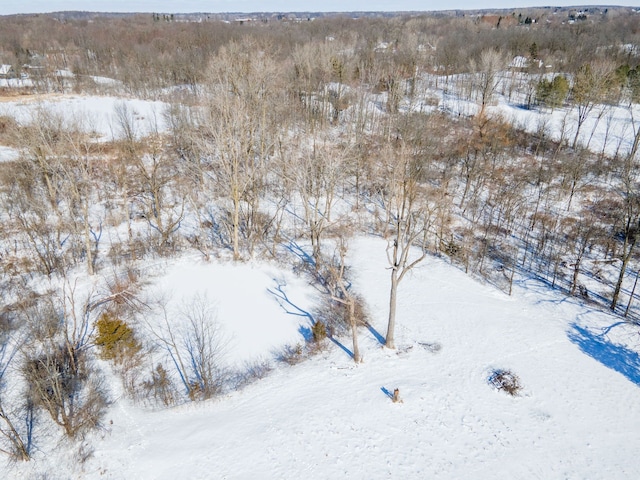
8, 7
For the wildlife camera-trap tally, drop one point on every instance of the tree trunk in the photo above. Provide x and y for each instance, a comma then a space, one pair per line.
87, 242
636, 145
574, 280
390, 340
625, 261
235, 220
354, 331
633, 291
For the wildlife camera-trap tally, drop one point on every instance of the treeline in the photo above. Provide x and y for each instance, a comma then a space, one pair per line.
147, 54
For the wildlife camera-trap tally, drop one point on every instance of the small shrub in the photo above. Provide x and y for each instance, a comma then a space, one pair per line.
123, 290
319, 331
8, 128
291, 354
55, 373
249, 373
115, 339
195, 391
257, 370
160, 387
450, 248
506, 381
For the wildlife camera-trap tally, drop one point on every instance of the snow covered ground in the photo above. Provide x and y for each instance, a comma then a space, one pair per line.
577, 415
249, 303
606, 128
8, 154
100, 115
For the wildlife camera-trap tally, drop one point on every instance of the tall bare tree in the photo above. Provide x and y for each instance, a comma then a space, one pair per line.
590, 86
487, 77
237, 132
408, 220
342, 293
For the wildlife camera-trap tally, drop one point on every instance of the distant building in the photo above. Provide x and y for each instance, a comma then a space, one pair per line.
522, 63
7, 71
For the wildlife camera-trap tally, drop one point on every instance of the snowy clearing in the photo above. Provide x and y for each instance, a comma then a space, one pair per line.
250, 303
93, 114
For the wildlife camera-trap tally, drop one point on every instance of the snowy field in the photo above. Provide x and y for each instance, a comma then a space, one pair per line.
576, 417
97, 115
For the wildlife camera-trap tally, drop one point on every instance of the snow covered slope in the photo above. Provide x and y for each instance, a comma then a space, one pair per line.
577, 415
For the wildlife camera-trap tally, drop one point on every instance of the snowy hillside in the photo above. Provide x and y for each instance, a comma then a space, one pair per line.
575, 417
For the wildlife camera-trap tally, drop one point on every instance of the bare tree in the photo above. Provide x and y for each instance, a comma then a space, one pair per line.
17, 445
204, 347
579, 236
236, 135
317, 177
408, 217
14, 440
590, 86
155, 175
58, 368
311, 73
630, 210
341, 292
64, 385
486, 77
196, 349
78, 171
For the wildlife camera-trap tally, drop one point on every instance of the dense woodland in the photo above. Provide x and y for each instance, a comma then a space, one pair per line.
285, 139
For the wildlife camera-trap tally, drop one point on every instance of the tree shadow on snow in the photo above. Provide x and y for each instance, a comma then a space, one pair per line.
387, 392
381, 340
341, 346
287, 305
306, 333
292, 309
616, 357
300, 253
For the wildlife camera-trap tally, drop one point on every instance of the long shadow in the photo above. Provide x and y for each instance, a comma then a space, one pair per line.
606, 330
615, 357
561, 286
306, 333
289, 307
342, 347
381, 340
